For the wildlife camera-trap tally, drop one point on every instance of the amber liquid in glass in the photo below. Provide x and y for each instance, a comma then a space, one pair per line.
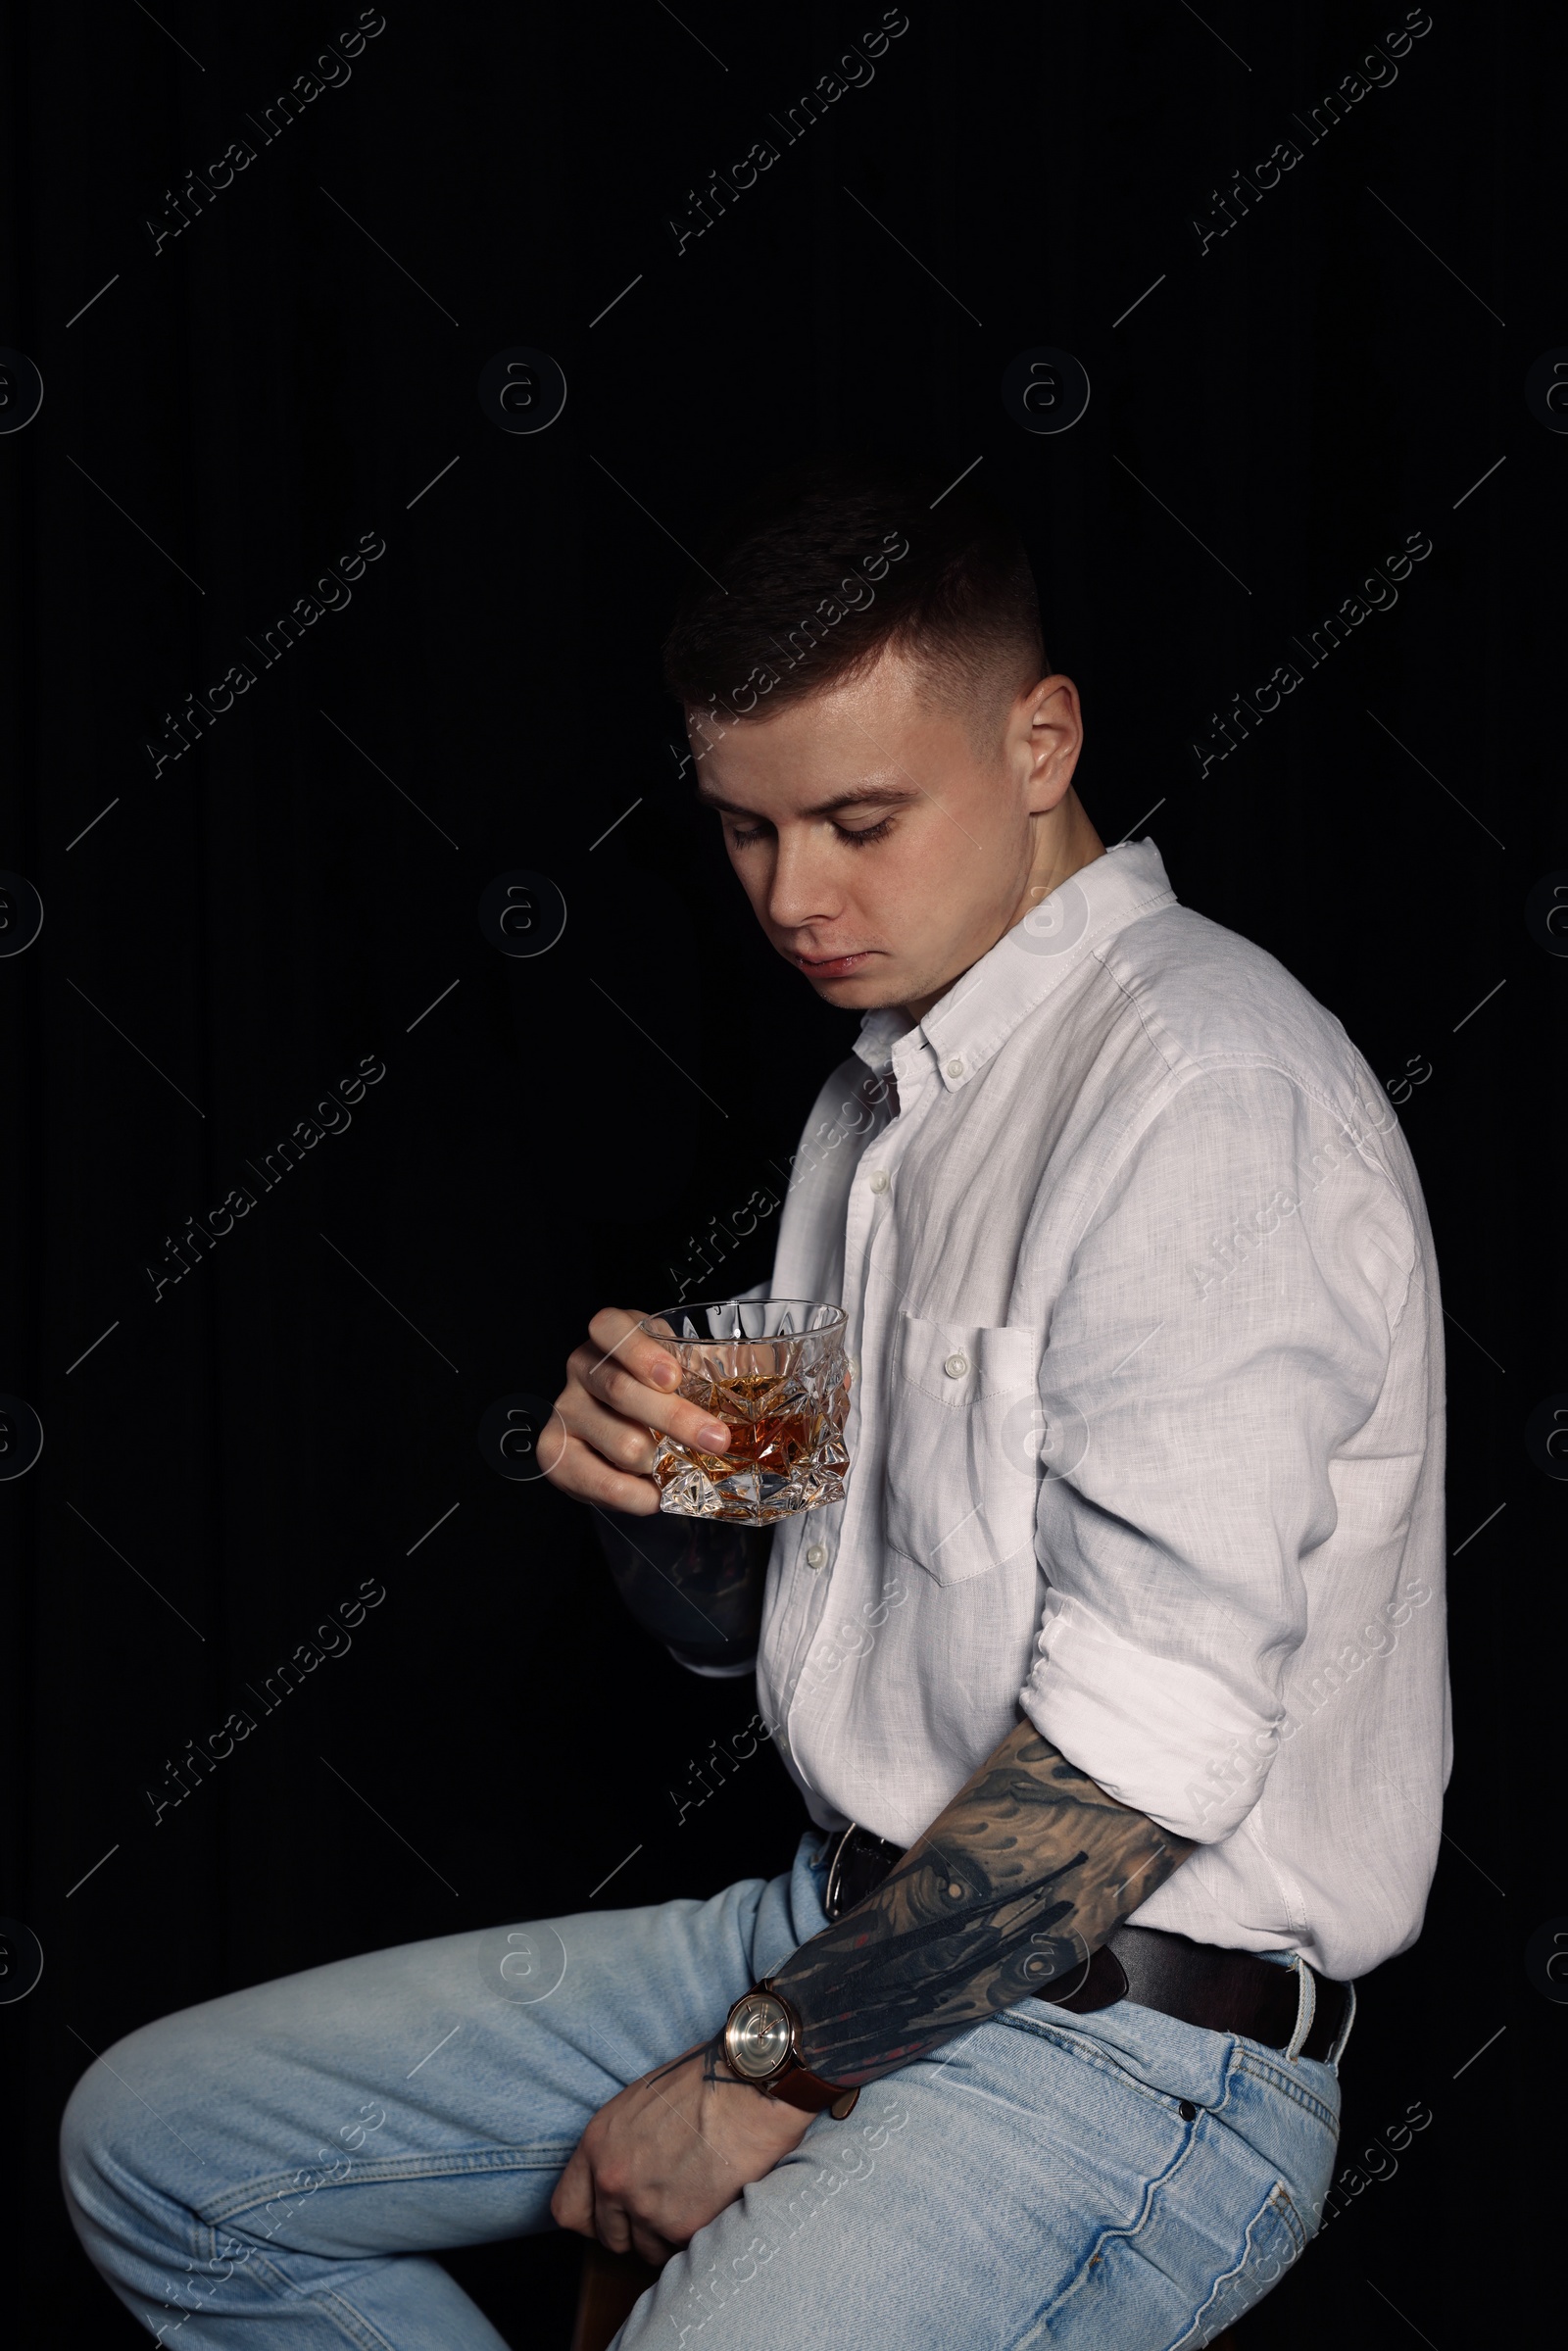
773, 1442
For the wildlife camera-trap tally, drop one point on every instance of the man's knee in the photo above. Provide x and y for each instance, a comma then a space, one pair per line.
116, 2143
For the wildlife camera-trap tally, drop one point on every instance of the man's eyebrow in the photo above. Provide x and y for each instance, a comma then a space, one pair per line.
862, 796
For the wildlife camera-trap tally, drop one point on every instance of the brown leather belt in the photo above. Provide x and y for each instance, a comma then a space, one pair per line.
1200, 1984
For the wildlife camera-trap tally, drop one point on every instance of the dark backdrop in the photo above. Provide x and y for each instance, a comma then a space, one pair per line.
227, 410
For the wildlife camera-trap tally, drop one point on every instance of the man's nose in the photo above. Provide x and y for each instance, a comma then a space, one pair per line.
801, 889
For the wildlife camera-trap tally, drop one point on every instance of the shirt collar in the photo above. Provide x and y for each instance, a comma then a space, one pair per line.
983, 1007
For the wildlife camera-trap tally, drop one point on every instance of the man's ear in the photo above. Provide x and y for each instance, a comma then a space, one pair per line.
1048, 731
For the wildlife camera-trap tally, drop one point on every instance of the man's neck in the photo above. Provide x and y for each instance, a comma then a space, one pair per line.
1065, 849
1066, 843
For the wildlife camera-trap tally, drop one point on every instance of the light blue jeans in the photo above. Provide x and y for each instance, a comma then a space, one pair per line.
276, 2168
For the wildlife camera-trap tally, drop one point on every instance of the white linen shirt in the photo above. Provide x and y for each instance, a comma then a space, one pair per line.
1147, 1426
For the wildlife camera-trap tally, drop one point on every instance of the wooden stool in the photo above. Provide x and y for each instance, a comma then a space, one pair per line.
610, 2285
612, 2282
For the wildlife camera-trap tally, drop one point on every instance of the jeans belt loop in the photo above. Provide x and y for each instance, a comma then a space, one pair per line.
1336, 2049
1305, 2008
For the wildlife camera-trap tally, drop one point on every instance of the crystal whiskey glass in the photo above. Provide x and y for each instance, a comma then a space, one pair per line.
774, 1371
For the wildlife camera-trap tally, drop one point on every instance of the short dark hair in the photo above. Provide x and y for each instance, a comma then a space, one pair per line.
804, 584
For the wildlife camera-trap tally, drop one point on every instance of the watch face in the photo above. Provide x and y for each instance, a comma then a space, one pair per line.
756, 2040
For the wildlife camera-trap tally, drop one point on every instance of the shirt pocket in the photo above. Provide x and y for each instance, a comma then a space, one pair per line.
962, 1477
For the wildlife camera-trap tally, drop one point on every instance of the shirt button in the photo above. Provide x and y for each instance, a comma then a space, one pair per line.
955, 1366
816, 1556
879, 1180
955, 1069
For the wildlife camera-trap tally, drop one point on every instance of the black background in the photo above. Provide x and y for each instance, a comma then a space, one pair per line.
232, 936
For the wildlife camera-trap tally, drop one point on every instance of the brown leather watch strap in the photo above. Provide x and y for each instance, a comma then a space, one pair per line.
795, 2083
798, 2088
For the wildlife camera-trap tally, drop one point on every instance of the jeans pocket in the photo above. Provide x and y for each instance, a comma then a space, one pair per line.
1276, 2237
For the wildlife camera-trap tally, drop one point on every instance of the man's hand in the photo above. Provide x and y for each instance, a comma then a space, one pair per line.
599, 1445
669, 2152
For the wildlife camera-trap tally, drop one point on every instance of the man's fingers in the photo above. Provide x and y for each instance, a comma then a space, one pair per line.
639, 1381
654, 2249
616, 1343
550, 1445
610, 2224
631, 1398
582, 1472
626, 1445
613, 1333
572, 2204
627, 1365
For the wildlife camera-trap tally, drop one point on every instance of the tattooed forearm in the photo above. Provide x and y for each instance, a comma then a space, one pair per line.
1010, 1889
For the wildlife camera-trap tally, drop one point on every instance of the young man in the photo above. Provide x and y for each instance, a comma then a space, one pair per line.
1115, 1685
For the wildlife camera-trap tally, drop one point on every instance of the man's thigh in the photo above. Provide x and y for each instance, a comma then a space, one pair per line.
412, 2098
1113, 2184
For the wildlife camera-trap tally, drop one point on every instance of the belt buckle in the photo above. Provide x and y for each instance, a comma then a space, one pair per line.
835, 1873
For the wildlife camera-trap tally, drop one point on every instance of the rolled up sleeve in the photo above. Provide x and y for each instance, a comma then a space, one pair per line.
1224, 1331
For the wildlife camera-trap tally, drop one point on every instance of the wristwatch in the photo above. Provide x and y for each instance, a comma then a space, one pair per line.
763, 2046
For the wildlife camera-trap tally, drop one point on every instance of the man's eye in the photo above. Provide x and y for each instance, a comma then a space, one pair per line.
742, 836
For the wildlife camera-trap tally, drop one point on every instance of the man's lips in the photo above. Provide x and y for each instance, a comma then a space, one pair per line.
834, 967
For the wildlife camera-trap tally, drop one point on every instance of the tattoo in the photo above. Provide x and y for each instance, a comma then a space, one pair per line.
1010, 1889
716, 2067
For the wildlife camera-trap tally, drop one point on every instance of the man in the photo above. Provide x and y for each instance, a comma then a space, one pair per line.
1114, 1685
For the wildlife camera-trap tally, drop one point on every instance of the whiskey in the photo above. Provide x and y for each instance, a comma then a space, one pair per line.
782, 1392
772, 1433
776, 1430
